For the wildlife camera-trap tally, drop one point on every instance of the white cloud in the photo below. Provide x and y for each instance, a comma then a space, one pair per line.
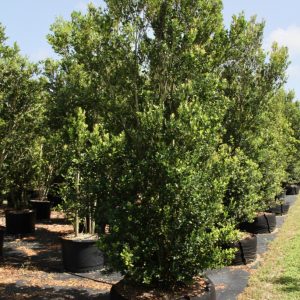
294, 71
41, 54
82, 6
289, 37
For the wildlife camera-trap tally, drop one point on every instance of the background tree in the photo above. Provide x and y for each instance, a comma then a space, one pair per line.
21, 113
255, 124
86, 164
76, 140
94, 71
292, 113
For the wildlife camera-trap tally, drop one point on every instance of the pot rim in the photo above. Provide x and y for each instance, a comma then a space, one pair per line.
18, 211
88, 239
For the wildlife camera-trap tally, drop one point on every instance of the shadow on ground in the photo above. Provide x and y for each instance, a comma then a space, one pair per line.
55, 221
40, 251
288, 283
15, 292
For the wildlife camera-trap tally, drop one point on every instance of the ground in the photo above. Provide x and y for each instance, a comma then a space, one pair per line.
32, 267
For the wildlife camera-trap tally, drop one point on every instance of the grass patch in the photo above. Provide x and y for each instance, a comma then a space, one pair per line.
278, 277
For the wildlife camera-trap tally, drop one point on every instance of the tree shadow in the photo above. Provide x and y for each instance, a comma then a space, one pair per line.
41, 251
54, 221
288, 283
13, 291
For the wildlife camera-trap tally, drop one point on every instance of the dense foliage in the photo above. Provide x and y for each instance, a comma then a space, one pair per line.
159, 122
168, 179
291, 110
256, 128
21, 114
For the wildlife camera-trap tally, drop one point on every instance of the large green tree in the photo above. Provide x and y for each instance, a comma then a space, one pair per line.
165, 217
21, 113
196, 125
150, 71
256, 129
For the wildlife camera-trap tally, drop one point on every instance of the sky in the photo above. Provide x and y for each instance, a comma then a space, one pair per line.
28, 21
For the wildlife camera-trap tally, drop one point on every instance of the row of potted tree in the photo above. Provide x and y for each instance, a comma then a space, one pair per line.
158, 121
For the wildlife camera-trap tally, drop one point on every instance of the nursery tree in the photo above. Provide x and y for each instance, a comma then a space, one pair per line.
94, 71
98, 168
168, 197
150, 72
292, 113
21, 112
49, 164
254, 122
86, 162
275, 146
76, 137
85, 79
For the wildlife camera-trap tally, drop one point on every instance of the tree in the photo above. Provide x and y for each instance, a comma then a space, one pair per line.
255, 125
21, 113
93, 72
86, 162
149, 71
292, 113
76, 137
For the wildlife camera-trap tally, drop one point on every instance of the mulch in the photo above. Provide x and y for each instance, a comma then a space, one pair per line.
32, 267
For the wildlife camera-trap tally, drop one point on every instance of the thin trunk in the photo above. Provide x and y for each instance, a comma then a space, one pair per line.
2, 158
47, 181
136, 46
76, 223
136, 76
93, 220
90, 222
77, 196
93, 226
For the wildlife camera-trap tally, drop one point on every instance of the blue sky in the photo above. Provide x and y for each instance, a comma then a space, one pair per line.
28, 22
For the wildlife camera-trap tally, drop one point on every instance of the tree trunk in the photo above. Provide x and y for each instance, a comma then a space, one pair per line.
77, 196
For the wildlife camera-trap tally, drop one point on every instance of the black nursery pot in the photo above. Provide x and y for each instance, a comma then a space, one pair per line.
2, 230
55, 200
118, 292
280, 209
34, 194
247, 250
292, 189
263, 223
281, 196
42, 209
20, 221
81, 255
